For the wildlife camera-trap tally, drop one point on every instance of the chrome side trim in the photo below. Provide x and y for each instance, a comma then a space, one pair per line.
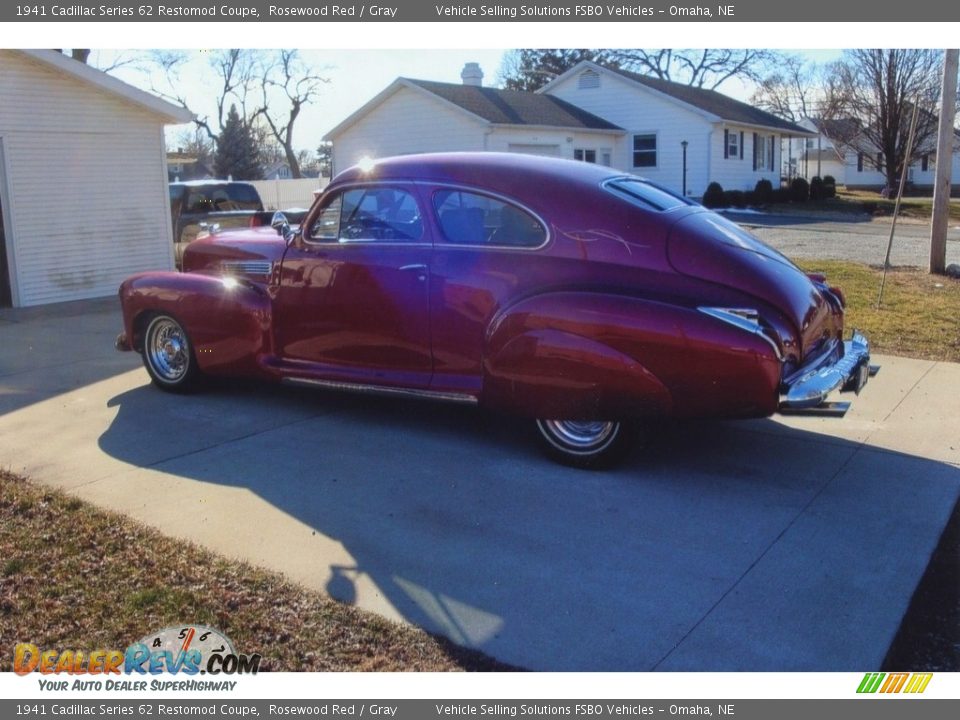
384, 390
738, 319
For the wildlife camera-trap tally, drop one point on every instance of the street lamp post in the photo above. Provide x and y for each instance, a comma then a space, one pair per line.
683, 143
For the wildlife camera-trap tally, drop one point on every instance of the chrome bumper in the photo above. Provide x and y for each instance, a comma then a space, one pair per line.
806, 392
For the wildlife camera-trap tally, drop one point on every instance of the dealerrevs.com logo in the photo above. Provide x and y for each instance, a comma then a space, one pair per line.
191, 650
898, 682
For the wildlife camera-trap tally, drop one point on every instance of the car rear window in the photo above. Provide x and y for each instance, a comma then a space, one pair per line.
468, 218
222, 198
646, 194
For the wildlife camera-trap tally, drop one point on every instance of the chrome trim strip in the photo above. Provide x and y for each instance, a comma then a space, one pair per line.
248, 267
827, 409
739, 321
384, 390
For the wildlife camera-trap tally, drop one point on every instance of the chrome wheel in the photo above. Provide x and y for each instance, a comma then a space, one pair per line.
167, 353
581, 442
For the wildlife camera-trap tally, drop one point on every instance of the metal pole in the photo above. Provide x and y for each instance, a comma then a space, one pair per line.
896, 205
684, 144
941, 186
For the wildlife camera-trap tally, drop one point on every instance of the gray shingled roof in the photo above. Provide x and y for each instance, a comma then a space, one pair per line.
513, 107
714, 103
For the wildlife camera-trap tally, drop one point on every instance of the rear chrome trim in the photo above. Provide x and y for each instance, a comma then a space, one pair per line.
808, 388
462, 398
826, 409
746, 319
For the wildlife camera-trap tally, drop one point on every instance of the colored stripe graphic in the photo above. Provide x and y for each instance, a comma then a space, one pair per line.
894, 682
918, 683
870, 682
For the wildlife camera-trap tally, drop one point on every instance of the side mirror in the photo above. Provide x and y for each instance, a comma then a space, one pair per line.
280, 223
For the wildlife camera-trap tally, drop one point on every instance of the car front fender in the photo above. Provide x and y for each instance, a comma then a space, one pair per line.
227, 319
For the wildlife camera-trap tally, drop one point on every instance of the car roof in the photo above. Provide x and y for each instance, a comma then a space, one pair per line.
478, 168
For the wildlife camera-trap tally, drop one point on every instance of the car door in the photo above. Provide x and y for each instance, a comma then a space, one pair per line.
353, 299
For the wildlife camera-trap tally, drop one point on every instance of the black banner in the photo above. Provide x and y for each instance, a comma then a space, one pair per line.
472, 11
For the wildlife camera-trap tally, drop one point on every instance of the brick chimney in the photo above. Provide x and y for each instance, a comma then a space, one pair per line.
472, 74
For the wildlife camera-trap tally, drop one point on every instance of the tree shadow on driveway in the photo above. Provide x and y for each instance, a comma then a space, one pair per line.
722, 546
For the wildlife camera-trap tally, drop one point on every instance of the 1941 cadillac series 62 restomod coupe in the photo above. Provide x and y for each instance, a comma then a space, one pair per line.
572, 294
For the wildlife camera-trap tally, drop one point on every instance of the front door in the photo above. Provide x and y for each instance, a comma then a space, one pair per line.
353, 302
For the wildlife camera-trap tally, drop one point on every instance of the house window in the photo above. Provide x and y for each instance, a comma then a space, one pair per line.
879, 162
733, 145
859, 162
606, 158
645, 150
925, 163
588, 80
589, 156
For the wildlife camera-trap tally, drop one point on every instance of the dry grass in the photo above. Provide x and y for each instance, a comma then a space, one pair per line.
73, 576
920, 314
864, 202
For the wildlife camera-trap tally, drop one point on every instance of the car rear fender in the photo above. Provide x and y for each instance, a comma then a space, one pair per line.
226, 318
582, 355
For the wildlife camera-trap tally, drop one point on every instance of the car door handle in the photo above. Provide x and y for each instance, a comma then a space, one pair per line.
419, 268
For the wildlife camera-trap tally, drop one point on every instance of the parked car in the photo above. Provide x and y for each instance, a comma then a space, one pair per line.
575, 295
197, 205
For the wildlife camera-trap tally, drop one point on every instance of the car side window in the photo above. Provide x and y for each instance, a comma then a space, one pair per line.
369, 214
468, 218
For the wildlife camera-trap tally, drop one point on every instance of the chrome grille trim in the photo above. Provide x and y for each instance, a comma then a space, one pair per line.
247, 267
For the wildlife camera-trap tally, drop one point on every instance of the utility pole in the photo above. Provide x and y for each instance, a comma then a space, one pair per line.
941, 187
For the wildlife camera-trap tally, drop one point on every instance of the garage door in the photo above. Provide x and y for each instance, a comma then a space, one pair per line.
548, 150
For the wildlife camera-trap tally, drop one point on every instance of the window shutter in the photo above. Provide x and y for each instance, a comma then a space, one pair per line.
741, 144
756, 138
726, 144
773, 152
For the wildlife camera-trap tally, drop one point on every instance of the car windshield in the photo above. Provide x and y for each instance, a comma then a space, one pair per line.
647, 194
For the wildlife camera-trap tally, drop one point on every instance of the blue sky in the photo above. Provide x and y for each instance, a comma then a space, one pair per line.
355, 77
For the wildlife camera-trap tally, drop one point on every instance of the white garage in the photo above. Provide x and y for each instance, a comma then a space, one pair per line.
83, 180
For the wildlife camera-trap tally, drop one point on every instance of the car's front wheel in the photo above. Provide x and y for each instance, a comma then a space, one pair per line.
168, 355
584, 443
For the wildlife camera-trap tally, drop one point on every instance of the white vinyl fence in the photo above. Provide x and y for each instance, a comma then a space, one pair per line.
288, 194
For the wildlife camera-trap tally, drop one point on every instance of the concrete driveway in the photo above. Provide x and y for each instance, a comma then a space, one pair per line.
767, 545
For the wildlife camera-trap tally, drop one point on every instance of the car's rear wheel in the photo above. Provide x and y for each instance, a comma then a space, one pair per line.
168, 355
584, 443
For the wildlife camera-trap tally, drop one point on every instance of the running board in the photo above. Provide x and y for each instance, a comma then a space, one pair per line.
383, 390
827, 409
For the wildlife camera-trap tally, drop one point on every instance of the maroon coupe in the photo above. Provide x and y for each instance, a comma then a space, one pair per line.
569, 293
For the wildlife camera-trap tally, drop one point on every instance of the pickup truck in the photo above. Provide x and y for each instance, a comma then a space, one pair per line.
200, 204
203, 206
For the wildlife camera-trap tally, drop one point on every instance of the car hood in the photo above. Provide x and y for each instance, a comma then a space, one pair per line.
709, 247
213, 251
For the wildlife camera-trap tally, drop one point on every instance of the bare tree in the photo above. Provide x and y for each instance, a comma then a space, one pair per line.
288, 81
236, 72
708, 68
877, 89
793, 91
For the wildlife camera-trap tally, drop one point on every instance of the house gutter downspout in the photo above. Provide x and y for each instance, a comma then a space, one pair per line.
709, 157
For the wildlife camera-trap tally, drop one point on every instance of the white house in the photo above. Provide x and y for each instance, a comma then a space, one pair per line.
681, 136
83, 179
855, 162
